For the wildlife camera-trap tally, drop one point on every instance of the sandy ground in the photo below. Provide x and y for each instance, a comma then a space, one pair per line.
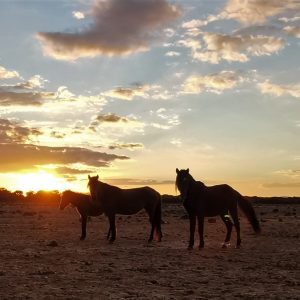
41, 257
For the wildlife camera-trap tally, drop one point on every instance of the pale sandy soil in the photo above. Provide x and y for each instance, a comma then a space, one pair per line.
266, 267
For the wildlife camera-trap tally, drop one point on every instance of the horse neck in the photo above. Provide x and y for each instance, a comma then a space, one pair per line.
100, 189
76, 200
105, 187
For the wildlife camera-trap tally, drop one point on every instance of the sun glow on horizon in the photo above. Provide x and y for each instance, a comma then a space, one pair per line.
40, 181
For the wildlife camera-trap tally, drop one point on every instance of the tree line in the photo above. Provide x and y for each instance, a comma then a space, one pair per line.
18, 195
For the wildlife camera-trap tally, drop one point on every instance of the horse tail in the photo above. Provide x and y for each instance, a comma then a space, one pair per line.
248, 210
157, 219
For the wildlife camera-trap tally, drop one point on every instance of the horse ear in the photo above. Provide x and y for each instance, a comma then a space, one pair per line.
89, 176
97, 176
177, 171
188, 170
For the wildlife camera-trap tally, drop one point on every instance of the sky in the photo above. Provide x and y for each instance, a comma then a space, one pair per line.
131, 90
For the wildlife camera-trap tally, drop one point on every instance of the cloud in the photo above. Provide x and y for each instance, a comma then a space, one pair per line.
267, 87
12, 132
216, 83
290, 19
16, 157
236, 47
169, 119
129, 146
35, 81
193, 44
6, 74
111, 118
57, 135
9, 98
292, 30
64, 93
71, 171
119, 28
172, 54
78, 15
129, 93
249, 12
257, 11
117, 124
26, 93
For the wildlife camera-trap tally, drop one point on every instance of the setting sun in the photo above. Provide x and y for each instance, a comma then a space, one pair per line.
40, 181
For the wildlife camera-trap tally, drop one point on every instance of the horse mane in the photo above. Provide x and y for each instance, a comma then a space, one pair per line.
105, 185
185, 181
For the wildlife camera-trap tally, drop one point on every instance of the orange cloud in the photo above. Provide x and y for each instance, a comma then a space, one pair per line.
119, 28
16, 157
12, 132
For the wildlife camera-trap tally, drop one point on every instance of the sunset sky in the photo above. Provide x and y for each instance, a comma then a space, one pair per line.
131, 90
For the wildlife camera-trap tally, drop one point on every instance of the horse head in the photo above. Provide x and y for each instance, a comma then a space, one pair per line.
183, 180
93, 186
65, 199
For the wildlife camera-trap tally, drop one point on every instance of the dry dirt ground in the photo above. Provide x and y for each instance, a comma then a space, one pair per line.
41, 257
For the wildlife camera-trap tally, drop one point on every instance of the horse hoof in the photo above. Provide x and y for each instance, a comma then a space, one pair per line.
111, 241
190, 248
150, 240
82, 238
225, 245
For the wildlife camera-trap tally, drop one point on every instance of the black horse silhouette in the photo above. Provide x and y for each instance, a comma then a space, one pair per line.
84, 206
114, 200
202, 201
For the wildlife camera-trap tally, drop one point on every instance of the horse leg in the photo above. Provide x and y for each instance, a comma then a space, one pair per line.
192, 231
112, 227
157, 222
83, 227
152, 222
201, 230
228, 224
152, 232
158, 229
234, 215
108, 233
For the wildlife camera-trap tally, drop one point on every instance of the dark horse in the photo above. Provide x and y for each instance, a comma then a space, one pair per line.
84, 206
114, 200
207, 201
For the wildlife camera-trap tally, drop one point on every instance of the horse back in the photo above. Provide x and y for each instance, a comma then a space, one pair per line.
214, 200
129, 201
